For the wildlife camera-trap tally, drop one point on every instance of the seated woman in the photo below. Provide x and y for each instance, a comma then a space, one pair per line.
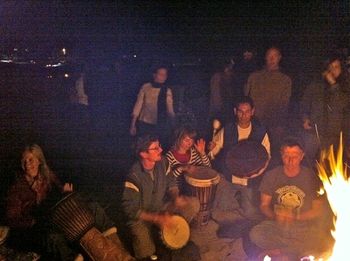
30, 198
185, 152
184, 156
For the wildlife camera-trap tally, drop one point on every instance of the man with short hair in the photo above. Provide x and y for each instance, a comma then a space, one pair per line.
271, 89
290, 204
144, 199
245, 127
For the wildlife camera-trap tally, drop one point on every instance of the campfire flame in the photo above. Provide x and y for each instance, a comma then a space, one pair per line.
336, 184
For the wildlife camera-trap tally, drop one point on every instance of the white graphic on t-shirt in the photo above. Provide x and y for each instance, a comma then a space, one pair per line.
290, 197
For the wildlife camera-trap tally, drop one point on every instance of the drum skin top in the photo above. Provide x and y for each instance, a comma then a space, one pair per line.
177, 235
203, 173
246, 158
202, 177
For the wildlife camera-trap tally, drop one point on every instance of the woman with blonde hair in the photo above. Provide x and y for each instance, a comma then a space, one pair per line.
29, 201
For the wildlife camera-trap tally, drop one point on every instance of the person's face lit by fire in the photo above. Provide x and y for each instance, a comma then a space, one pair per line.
161, 75
153, 153
335, 68
272, 59
244, 113
30, 164
292, 157
186, 143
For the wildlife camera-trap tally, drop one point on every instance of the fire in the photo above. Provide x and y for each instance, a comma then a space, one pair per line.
336, 183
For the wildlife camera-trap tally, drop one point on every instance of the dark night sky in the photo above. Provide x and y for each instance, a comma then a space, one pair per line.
172, 28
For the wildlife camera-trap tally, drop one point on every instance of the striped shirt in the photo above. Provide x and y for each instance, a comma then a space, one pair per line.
195, 159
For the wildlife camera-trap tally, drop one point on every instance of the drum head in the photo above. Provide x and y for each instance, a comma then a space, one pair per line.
202, 177
177, 235
246, 158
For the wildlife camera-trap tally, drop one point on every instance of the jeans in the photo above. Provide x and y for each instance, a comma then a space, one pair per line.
249, 201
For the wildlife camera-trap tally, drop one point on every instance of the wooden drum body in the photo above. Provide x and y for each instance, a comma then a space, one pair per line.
76, 222
203, 183
72, 216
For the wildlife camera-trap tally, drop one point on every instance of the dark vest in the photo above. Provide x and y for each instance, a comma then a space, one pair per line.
231, 134
231, 139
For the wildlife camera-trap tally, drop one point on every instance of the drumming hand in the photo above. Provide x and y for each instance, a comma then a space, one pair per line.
284, 216
181, 201
200, 146
67, 187
163, 220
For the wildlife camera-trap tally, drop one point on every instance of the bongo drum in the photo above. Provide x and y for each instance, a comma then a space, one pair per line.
203, 182
177, 235
76, 222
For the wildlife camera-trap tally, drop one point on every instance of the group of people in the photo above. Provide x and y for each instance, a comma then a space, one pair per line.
281, 195
260, 161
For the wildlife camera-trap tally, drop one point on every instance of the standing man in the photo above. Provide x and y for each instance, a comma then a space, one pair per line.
290, 204
244, 128
144, 198
223, 92
271, 89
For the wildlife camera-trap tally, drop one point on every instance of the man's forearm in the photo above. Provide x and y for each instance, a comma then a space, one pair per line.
267, 211
174, 192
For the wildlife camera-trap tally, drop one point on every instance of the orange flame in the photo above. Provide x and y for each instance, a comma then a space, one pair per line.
336, 184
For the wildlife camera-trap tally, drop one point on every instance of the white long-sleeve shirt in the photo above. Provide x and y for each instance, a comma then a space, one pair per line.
146, 106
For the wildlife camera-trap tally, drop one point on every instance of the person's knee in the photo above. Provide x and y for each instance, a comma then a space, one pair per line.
255, 235
143, 243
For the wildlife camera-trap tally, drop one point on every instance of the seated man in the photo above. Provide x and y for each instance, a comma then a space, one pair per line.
291, 205
245, 127
144, 198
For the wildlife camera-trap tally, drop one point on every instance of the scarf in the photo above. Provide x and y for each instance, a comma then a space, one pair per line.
161, 102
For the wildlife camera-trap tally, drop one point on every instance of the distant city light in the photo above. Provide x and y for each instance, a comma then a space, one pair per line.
53, 65
64, 51
66, 75
135, 55
15, 49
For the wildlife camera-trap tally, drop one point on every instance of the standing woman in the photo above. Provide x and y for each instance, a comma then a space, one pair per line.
153, 107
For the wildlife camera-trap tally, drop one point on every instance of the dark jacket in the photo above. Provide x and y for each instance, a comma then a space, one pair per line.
141, 193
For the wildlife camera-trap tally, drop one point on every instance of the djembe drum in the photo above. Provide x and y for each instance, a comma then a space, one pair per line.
177, 234
76, 222
203, 182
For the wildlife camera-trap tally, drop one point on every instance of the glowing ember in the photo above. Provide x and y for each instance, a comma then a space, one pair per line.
337, 187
